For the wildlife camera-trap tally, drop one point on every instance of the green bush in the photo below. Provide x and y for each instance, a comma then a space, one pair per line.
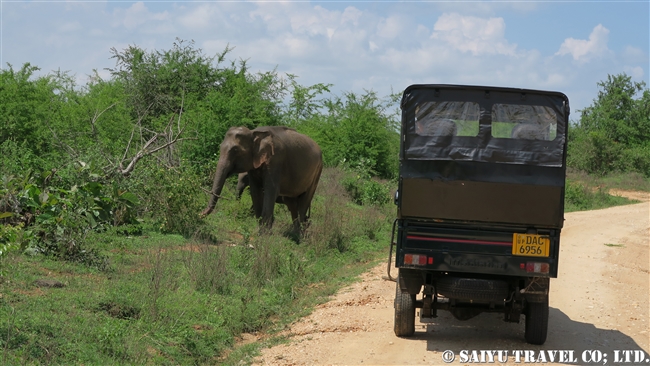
613, 133
579, 197
356, 133
173, 199
11, 238
366, 191
635, 159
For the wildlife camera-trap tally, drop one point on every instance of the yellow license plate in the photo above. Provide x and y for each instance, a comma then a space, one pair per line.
530, 245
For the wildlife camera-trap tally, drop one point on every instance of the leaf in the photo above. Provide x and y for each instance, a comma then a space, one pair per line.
94, 188
4, 215
130, 197
44, 217
43, 198
91, 219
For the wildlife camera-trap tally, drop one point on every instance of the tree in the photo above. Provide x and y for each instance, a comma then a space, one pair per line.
159, 82
616, 113
26, 105
356, 131
613, 134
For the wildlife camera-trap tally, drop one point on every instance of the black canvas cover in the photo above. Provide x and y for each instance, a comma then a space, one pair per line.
483, 154
484, 124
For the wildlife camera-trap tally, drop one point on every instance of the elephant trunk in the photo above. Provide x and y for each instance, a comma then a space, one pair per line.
219, 179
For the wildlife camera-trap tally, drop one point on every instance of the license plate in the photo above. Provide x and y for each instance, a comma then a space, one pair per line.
530, 245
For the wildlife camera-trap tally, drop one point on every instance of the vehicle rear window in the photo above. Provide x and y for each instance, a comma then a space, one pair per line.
447, 118
527, 122
482, 124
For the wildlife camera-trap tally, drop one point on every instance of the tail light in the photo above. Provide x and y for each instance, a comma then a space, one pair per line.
417, 259
535, 267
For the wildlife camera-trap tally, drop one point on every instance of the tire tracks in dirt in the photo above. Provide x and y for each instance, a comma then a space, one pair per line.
600, 301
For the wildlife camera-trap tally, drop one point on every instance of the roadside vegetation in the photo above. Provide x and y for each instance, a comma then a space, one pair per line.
103, 256
609, 146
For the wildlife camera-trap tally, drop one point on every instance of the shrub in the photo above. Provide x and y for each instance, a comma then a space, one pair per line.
173, 199
635, 159
366, 191
580, 197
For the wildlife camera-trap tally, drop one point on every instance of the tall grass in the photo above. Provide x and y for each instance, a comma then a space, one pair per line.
580, 197
630, 181
165, 299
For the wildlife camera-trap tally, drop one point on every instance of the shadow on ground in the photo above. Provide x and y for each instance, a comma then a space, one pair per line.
488, 331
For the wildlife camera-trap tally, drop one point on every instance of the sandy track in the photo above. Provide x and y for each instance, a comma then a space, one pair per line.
598, 302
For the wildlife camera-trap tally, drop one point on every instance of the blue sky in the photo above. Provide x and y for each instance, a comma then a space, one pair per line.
566, 46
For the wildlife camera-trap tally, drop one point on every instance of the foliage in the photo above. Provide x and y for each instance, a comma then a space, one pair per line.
170, 300
614, 133
304, 104
158, 83
184, 81
363, 190
11, 238
25, 107
356, 131
57, 219
580, 197
172, 199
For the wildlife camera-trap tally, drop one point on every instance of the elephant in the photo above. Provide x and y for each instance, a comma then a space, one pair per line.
280, 162
242, 183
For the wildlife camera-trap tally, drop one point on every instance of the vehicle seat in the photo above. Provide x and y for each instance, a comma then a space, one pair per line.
530, 131
436, 127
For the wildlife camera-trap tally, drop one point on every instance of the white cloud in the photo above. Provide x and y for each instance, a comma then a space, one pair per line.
198, 18
136, 15
636, 72
583, 50
365, 46
472, 34
634, 54
391, 27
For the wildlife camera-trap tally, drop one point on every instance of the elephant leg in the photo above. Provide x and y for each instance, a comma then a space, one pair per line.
270, 194
304, 201
292, 205
257, 196
242, 183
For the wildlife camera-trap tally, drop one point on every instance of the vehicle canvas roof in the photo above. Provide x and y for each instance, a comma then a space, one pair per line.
484, 124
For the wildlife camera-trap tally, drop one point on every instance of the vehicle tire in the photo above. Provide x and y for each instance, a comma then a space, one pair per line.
404, 312
472, 289
536, 322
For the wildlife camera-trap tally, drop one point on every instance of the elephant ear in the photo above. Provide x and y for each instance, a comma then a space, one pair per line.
263, 150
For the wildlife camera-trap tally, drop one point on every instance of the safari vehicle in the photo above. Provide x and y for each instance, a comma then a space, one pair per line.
480, 204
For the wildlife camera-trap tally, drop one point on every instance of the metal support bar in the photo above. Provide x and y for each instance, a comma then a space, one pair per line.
390, 251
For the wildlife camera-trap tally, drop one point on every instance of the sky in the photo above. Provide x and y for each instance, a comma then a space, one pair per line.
357, 46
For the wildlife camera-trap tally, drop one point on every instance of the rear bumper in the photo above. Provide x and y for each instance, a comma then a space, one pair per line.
471, 248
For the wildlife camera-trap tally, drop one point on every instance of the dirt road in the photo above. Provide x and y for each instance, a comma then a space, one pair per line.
598, 302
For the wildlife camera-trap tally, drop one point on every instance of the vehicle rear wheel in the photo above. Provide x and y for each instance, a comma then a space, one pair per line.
404, 312
536, 322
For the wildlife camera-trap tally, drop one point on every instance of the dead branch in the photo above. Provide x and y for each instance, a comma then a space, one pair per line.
96, 117
149, 147
67, 147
